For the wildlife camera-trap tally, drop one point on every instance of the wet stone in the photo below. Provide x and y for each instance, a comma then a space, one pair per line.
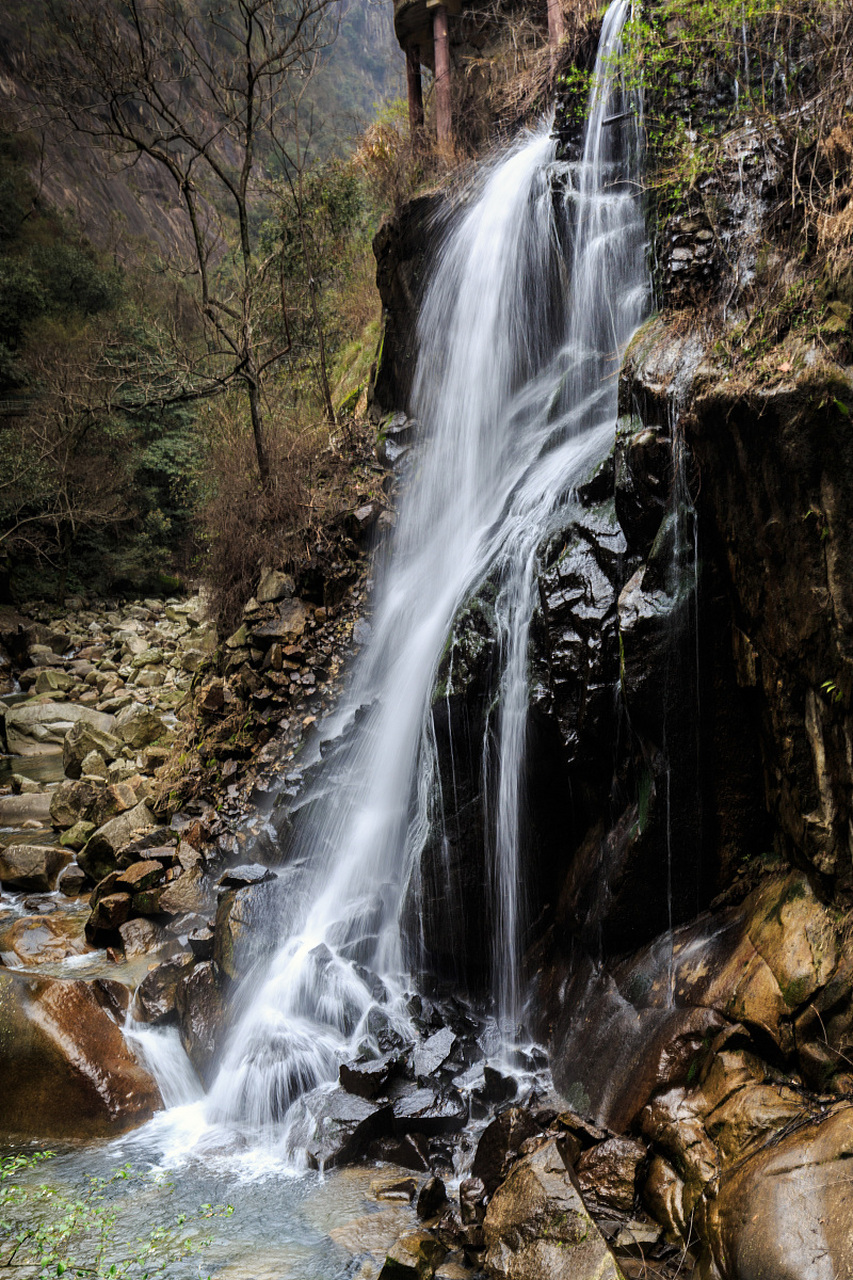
429, 1056
499, 1145
425, 1111
340, 1126
241, 877
432, 1199
369, 1079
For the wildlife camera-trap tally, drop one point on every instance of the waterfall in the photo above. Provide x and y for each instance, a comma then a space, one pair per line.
540, 283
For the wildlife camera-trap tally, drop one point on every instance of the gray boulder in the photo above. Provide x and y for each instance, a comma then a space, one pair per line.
101, 853
36, 728
82, 740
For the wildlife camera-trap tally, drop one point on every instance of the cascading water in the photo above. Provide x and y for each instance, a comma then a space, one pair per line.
540, 283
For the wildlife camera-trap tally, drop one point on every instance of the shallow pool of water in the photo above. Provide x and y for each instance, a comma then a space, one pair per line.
283, 1225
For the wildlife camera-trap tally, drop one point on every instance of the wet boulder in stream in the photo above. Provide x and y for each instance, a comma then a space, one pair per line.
67, 1071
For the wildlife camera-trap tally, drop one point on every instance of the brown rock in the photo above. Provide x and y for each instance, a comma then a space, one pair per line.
140, 876
110, 911
67, 1072
498, 1147
140, 937
201, 1016
537, 1227
32, 867
188, 893
608, 1172
786, 1212
155, 998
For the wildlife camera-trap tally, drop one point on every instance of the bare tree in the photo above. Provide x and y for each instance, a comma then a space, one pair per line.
202, 92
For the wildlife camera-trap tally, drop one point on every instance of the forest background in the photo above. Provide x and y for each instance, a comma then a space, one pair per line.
142, 446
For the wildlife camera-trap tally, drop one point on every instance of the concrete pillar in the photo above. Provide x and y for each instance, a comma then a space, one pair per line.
443, 106
416, 97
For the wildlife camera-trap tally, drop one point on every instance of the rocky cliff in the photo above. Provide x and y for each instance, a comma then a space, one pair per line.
690, 748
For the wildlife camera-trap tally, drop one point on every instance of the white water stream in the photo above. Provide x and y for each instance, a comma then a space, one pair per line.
539, 285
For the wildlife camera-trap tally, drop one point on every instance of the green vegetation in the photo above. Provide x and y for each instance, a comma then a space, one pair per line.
48, 1229
176, 410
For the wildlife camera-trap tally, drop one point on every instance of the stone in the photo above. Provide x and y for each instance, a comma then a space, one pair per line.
425, 1111
67, 1071
201, 1017
429, 1056
94, 766
31, 867
74, 802
75, 837
369, 1079
240, 877
36, 728
190, 892
16, 810
537, 1227
155, 999
110, 911
100, 855
499, 1145
414, 1256
24, 786
72, 881
138, 726
785, 1213
284, 629
84, 738
274, 586
201, 942
336, 1128
140, 876
51, 681
432, 1199
608, 1172
140, 937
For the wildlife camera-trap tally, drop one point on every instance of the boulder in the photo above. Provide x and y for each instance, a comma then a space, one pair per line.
67, 1072
83, 739
499, 1145
369, 1079
100, 856
72, 881
75, 837
537, 1227
155, 999
286, 628
16, 810
242, 936
335, 1127
138, 726
786, 1212
201, 1016
608, 1172
51, 681
189, 893
31, 867
431, 1113
74, 802
37, 727
141, 937
274, 586
429, 1056
109, 912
